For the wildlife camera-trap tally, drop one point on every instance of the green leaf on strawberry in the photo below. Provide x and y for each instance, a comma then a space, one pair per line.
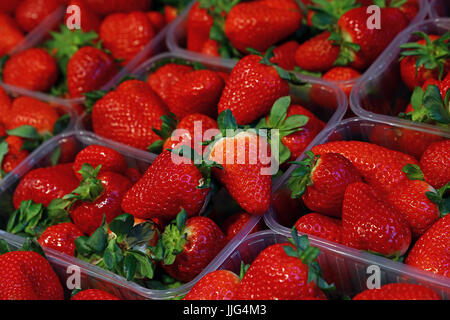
174, 238
4, 149
301, 177
90, 187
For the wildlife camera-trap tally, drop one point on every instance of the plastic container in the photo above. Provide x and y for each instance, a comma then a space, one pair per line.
176, 39
439, 8
346, 268
360, 130
94, 276
380, 93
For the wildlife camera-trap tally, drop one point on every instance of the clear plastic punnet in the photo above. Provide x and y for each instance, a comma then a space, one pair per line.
439, 8
368, 131
176, 39
93, 276
350, 270
380, 93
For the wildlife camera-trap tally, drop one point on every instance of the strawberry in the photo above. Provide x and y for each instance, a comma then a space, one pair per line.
96, 155
369, 223
43, 185
32, 69
170, 13
157, 20
27, 275
245, 173
189, 245
425, 59
398, 291
430, 252
168, 185
5, 105
9, 6
125, 35
321, 226
329, 174
234, 223
133, 175
284, 271
380, 167
90, 20
284, 55
97, 195
30, 13
93, 294
61, 237
10, 34
128, 114
342, 74
216, 285
199, 23
195, 92
260, 24
434, 165
252, 84
105, 7
211, 48
13, 154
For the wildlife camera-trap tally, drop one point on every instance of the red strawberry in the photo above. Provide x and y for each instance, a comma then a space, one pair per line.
125, 35
9, 6
128, 114
216, 285
5, 105
260, 24
105, 7
30, 13
26, 275
430, 252
96, 155
369, 223
195, 92
190, 245
165, 188
283, 272
321, 226
10, 34
434, 164
170, 13
32, 69
93, 294
61, 237
398, 291
90, 20
284, 55
252, 89
98, 195
198, 26
329, 174
133, 175
342, 74
211, 48
15, 154
157, 20
234, 223
43, 185
380, 167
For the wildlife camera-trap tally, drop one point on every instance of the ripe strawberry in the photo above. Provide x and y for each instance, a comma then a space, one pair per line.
260, 24
398, 291
133, 175
162, 79
105, 7
434, 165
10, 34
342, 74
93, 294
14, 154
43, 185
30, 13
170, 13
32, 69
329, 174
90, 20
321, 226
96, 155
252, 89
190, 245
430, 252
234, 223
9, 6
369, 223
199, 23
196, 92
157, 20
5, 105
98, 195
284, 272
170, 183
380, 167
61, 237
245, 174
26, 275
216, 285
284, 55
125, 35
211, 48
128, 114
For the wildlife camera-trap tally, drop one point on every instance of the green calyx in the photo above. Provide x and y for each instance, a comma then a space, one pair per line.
429, 107
392, 3
243, 270
431, 55
168, 125
30, 244
4, 149
90, 187
300, 178
348, 49
91, 98
285, 125
299, 70
308, 255
125, 251
31, 219
328, 12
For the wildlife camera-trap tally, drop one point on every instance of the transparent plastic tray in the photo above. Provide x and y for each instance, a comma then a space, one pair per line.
380, 94
176, 38
95, 276
439, 8
346, 268
355, 129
